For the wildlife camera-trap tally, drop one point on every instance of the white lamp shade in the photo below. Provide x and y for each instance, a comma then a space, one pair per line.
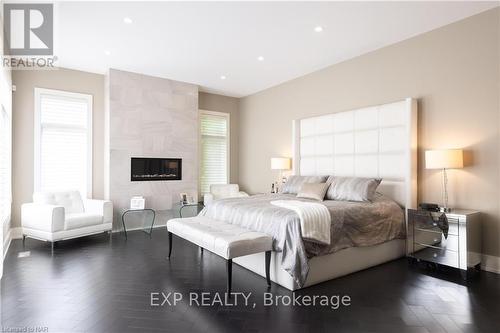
444, 159
280, 163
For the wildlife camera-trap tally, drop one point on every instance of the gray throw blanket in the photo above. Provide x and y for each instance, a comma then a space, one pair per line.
353, 224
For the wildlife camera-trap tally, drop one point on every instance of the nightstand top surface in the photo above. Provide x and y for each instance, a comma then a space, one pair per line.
460, 212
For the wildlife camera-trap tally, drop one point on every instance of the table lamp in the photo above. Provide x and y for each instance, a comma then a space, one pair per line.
444, 159
280, 163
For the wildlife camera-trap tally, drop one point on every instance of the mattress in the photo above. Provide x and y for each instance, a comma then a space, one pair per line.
353, 224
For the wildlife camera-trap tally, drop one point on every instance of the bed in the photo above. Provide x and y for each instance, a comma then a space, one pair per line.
378, 141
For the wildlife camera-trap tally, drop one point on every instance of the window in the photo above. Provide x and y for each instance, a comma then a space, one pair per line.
5, 163
214, 132
63, 141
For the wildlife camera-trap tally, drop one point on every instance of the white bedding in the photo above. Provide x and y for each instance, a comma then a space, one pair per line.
351, 224
315, 219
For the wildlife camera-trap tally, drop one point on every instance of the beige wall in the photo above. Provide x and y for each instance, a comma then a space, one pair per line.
5, 104
454, 73
23, 141
213, 102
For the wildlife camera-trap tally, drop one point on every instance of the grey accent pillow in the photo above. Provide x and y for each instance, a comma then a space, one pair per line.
315, 191
293, 184
352, 188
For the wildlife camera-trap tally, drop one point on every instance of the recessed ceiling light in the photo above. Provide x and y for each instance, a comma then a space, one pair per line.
222, 77
127, 20
260, 58
318, 28
107, 52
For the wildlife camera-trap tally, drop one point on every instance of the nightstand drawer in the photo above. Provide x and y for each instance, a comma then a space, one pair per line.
437, 239
433, 226
426, 237
440, 256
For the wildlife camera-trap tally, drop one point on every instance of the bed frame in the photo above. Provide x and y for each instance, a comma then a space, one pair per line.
377, 141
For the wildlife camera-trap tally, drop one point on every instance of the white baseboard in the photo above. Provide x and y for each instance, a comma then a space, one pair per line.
490, 264
6, 242
13, 233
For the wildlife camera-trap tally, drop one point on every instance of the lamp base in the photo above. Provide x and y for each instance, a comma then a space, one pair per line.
444, 209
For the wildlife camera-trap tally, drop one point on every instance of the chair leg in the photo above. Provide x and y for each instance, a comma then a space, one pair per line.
124, 228
169, 244
24, 240
229, 269
52, 248
268, 266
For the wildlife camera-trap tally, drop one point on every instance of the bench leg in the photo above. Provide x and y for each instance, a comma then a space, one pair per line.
169, 244
268, 266
229, 269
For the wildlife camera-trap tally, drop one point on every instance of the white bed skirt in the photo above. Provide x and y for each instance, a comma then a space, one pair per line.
327, 267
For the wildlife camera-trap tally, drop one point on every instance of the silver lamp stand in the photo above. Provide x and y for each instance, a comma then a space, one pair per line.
445, 208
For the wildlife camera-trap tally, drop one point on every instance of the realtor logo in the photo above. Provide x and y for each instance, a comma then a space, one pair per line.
28, 29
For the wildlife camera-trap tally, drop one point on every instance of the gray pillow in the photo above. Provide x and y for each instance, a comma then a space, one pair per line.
315, 191
352, 188
294, 183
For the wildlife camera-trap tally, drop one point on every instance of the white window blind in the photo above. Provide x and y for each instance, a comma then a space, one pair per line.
63, 141
5, 165
214, 128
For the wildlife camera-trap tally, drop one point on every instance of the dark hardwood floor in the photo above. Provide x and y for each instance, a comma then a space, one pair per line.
92, 285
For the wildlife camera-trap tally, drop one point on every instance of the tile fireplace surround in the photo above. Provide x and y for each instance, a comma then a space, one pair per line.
149, 117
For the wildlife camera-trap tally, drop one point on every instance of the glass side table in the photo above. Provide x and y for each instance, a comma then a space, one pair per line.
188, 209
147, 216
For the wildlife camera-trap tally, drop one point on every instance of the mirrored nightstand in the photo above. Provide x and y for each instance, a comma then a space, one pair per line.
453, 241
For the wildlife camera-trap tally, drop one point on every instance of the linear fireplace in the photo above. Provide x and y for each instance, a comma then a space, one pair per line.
147, 169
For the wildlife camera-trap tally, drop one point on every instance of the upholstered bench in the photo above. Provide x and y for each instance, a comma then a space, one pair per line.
224, 239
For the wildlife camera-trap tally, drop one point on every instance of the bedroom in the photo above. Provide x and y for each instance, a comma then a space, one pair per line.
180, 132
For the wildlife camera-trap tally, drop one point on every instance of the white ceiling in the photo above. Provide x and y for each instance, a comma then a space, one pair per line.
200, 42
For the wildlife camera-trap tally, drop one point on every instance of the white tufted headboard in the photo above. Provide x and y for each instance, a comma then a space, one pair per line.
378, 141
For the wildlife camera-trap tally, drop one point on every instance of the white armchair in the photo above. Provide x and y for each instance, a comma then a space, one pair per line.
55, 216
222, 191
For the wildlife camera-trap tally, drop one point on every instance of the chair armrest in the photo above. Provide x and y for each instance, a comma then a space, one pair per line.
99, 207
242, 194
43, 217
207, 199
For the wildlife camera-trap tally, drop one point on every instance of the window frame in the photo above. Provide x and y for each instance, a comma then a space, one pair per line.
38, 133
228, 143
